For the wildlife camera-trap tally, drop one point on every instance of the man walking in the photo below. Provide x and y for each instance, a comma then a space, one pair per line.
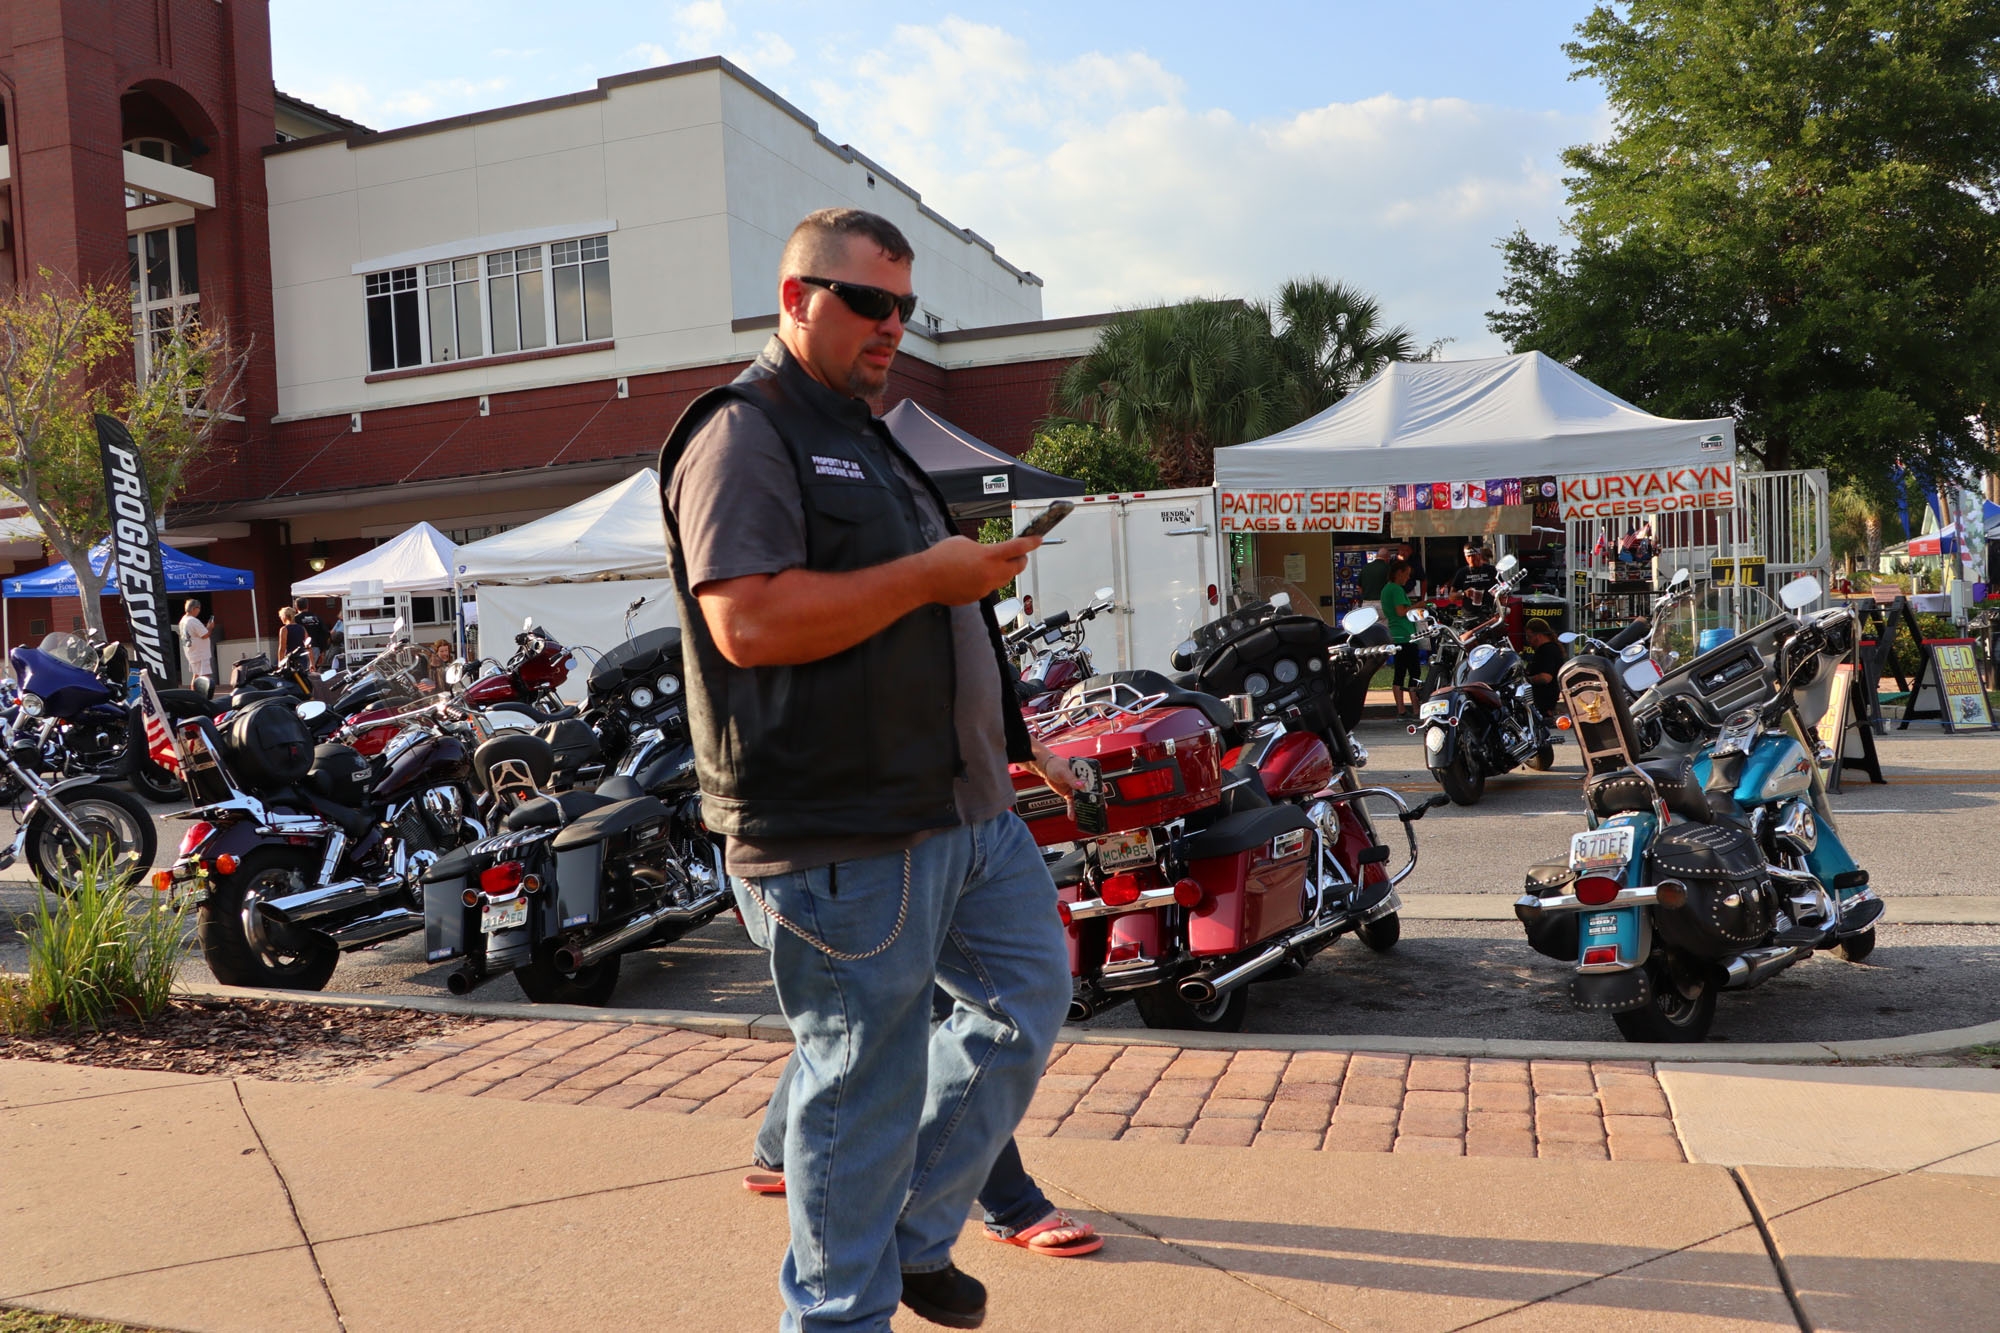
196, 641
853, 721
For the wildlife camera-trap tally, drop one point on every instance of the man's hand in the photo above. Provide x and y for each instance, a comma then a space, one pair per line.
1054, 770
959, 571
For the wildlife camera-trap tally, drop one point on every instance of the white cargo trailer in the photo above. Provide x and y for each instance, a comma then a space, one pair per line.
1161, 553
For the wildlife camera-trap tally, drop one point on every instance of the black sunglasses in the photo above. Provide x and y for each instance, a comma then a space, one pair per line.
868, 302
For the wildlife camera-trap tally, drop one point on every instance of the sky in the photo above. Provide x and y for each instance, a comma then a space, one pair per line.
1127, 153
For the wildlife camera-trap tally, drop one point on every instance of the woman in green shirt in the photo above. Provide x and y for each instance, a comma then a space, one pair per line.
1396, 611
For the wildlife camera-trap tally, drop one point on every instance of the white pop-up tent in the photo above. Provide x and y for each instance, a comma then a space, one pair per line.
576, 573
420, 560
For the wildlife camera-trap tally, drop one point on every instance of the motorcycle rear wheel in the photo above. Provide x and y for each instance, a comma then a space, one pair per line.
1381, 934
108, 817
1682, 1007
235, 942
1462, 781
1856, 947
1162, 1007
156, 784
544, 983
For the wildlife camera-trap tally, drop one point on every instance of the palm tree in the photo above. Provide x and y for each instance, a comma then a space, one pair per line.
1330, 337
1181, 381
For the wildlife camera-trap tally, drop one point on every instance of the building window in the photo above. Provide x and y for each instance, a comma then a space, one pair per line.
582, 289
394, 338
453, 291
165, 278
463, 536
160, 151
516, 299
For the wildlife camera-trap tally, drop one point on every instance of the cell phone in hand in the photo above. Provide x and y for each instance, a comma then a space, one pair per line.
1047, 519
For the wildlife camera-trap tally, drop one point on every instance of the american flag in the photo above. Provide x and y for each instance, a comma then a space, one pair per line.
161, 745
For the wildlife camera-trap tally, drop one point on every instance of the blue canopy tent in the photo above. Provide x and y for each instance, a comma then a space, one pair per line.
184, 574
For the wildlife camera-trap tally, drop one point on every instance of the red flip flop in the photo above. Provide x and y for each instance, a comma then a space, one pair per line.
765, 1182
1082, 1237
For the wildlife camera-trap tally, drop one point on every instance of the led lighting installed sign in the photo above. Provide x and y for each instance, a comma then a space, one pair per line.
1354, 510
1664, 490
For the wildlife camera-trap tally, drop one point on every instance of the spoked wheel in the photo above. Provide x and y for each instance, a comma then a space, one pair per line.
1162, 1007
156, 784
243, 949
545, 983
111, 821
1382, 933
1462, 780
1682, 1008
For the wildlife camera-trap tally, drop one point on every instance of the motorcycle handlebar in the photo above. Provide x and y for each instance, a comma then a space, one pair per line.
1631, 634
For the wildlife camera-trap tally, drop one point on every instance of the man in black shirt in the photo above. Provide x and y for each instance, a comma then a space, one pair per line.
1474, 583
1546, 655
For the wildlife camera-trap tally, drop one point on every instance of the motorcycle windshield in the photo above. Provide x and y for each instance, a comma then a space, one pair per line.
69, 649
1252, 601
1705, 620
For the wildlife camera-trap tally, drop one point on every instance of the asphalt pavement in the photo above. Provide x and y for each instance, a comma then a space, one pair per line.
1928, 833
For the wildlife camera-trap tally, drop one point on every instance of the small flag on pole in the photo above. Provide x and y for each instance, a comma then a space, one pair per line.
162, 746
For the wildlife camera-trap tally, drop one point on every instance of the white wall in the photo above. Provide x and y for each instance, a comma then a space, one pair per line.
702, 173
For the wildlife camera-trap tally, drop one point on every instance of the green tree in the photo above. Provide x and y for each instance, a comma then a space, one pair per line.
1793, 223
1330, 337
1093, 456
65, 355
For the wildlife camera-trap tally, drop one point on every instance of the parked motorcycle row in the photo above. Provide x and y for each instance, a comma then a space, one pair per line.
1221, 834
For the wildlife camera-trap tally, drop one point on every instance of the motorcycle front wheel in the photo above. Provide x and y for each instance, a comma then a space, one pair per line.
1380, 934
1682, 1008
237, 943
545, 983
111, 820
1162, 1007
1462, 781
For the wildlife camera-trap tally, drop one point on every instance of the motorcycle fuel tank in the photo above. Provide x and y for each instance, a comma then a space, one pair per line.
496, 689
1297, 764
1778, 767
430, 759
1490, 665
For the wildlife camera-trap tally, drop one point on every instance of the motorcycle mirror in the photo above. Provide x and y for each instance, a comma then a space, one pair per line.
1008, 612
1633, 652
1508, 564
1565, 637
312, 710
396, 630
1680, 579
1101, 595
1281, 601
1800, 593
1184, 655
527, 624
1359, 620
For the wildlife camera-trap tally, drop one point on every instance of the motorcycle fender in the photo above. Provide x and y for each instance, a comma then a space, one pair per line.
237, 839
1446, 749
1625, 931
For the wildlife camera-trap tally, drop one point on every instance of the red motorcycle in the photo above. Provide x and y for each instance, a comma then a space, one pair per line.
527, 685
1050, 654
1234, 836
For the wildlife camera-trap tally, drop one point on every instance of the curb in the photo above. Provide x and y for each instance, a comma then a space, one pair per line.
772, 1027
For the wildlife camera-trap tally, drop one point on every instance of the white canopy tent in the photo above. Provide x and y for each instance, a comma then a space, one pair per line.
421, 560
575, 573
1519, 415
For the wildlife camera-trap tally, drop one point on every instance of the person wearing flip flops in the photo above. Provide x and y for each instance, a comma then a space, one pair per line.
1017, 1212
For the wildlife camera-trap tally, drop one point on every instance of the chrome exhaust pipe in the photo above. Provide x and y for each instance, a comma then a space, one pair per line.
1747, 969
1200, 989
1197, 990
373, 929
463, 980
1080, 1009
296, 908
576, 957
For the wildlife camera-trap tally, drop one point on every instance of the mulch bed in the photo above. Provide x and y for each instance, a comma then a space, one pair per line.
253, 1038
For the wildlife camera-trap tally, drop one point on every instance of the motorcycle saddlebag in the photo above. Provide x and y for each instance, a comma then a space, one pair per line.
1254, 867
1730, 901
248, 668
573, 741
446, 917
601, 846
340, 774
1554, 936
267, 746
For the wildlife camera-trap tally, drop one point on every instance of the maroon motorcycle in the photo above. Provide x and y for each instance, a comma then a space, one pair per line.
1217, 841
1050, 653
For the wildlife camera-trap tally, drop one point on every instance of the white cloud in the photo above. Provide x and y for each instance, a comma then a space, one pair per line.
385, 108
1097, 174
704, 28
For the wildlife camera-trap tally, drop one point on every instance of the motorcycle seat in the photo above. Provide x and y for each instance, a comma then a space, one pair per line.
556, 811
620, 788
1244, 832
1623, 790
346, 818
1177, 696
608, 821
1067, 869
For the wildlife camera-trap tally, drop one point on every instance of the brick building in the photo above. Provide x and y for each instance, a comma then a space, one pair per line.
473, 321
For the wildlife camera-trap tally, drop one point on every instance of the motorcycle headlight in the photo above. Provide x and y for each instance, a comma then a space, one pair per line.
669, 684
31, 705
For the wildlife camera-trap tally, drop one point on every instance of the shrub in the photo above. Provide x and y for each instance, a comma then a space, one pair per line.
112, 946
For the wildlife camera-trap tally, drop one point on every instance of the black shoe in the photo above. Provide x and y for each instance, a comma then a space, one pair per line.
946, 1297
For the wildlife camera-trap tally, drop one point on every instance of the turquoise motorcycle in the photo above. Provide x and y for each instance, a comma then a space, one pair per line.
1711, 861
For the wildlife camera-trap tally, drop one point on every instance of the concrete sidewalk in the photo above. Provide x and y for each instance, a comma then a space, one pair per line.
217, 1204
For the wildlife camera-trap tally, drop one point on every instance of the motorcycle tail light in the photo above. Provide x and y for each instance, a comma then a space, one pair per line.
1671, 893
198, 833
1062, 914
1596, 890
1188, 893
1146, 786
501, 880
225, 864
1598, 954
470, 897
531, 884
1120, 891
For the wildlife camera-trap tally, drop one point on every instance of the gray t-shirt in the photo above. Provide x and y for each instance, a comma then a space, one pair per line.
736, 498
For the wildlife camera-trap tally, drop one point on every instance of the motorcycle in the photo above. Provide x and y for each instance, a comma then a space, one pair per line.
1233, 841
570, 883
1480, 716
75, 695
297, 852
67, 823
1711, 860
1049, 654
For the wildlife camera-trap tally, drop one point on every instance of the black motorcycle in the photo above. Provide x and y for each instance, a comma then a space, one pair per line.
297, 852
570, 883
1480, 717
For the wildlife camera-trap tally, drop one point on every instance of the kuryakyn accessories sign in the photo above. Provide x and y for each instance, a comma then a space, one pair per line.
1666, 490
135, 551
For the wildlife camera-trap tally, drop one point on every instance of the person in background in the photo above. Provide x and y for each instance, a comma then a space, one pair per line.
1376, 573
1396, 612
197, 641
1474, 582
1546, 655
292, 635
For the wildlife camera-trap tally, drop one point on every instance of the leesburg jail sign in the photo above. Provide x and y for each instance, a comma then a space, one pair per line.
1597, 495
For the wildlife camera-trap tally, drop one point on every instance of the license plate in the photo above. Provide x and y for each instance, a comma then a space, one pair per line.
1601, 849
504, 916
1435, 708
1122, 851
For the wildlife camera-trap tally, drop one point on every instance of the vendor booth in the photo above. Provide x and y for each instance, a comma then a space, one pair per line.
1517, 451
575, 573
185, 574
978, 480
408, 577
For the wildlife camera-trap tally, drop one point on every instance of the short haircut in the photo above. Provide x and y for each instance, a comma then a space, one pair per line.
192, 605
286, 614
817, 240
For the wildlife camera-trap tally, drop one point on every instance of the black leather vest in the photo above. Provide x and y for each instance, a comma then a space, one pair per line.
864, 741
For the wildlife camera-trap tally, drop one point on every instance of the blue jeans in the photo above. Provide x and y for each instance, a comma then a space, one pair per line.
893, 1125
1010, 1197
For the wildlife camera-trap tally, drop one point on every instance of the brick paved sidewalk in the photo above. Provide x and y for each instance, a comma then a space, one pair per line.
1307, 1099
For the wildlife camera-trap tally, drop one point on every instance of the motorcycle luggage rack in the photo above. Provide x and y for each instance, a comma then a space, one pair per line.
1118, 699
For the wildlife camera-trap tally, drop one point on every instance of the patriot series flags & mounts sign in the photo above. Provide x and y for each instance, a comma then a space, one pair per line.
135, 551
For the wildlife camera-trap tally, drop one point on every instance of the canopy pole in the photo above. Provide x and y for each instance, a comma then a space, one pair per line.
256, 619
